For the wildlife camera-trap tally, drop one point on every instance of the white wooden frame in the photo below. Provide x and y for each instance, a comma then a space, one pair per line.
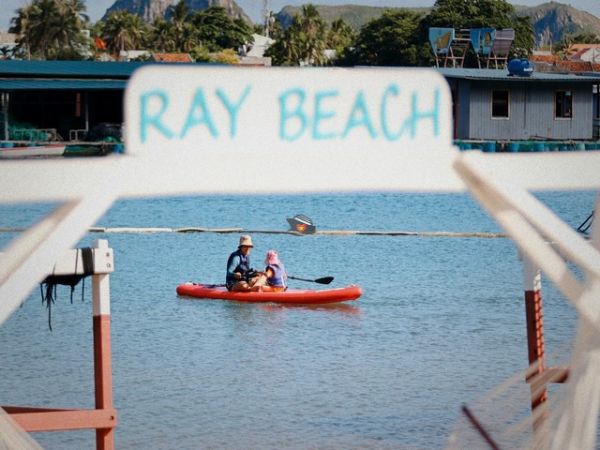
500, 182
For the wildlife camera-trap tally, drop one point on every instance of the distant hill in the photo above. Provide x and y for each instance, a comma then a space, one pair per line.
355, 15
551, 21
149, 10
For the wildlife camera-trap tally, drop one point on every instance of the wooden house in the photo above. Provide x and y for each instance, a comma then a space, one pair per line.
494, 105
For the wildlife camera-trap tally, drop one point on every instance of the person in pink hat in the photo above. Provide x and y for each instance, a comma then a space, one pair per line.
275, 274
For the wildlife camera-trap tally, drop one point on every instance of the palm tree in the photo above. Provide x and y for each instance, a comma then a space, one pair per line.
123, 31
312, 33
20, 26
162, 36
47, 27
340, 36
183, 32
72, 18
303, 43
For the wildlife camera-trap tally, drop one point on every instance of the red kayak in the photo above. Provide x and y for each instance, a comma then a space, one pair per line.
293, 296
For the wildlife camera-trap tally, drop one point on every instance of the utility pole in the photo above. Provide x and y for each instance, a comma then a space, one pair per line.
267, 16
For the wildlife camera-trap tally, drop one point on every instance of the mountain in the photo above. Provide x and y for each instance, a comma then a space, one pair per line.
355, 15
551, 21
149, 10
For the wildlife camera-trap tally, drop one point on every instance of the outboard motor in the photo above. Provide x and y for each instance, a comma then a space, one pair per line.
302, 224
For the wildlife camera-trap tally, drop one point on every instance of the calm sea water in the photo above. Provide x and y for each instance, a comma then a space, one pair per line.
440, 323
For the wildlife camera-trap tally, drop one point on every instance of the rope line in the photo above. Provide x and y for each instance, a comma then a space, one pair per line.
132, 230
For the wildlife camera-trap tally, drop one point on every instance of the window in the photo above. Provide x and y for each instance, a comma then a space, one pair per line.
499, 104
563, 104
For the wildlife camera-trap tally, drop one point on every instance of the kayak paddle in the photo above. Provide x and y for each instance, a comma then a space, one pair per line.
324, 280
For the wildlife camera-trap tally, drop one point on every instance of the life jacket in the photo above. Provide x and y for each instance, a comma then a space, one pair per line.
279, 275
243, 267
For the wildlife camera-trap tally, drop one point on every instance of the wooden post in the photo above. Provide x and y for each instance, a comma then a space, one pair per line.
86, 110
532, 285
102, 351
104, 417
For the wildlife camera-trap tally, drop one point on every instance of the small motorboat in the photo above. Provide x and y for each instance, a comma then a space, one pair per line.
32, 151
301, 224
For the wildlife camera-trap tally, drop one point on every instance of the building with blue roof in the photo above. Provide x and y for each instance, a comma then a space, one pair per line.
494, 105
70, 97
73, 97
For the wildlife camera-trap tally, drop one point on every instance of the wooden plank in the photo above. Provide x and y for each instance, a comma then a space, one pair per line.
56, 420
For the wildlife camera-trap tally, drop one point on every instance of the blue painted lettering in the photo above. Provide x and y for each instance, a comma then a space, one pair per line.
287, 113
416, 115
322, 115
359, 117
193, 119
155, 120
391, 90
232, 108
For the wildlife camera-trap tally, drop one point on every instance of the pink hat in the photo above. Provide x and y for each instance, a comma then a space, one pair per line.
272, 258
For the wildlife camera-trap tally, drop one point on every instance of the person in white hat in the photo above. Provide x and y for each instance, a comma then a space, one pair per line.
240, 276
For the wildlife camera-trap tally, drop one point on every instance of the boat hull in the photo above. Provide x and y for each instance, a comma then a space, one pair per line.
29, 152
290, 296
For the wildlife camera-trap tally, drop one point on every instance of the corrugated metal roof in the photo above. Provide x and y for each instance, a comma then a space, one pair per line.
502, 75
31, 84
68, 69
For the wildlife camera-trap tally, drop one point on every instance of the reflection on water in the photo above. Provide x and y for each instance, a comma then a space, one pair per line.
341, 308
337, 308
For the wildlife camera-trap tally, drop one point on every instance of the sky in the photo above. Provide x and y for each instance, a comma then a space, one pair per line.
97, 8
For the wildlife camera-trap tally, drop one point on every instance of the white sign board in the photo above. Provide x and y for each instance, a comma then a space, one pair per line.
325, 129
204, 107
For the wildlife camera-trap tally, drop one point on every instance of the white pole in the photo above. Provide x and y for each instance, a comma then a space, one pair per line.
31, 257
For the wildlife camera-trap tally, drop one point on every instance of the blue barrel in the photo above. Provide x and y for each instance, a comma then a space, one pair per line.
520, 67
580, 146
539, 147
7, 144
526, 147
489, 147
513, 147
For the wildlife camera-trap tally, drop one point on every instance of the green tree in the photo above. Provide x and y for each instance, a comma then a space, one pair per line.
312, 36
200, 54
303, 42
483, 14
227, 56
123, 31
471, 14
340, 36
390, 40
51, 28
524, 42
567, 40
217, 30
285, 51
183, 32
161, 36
